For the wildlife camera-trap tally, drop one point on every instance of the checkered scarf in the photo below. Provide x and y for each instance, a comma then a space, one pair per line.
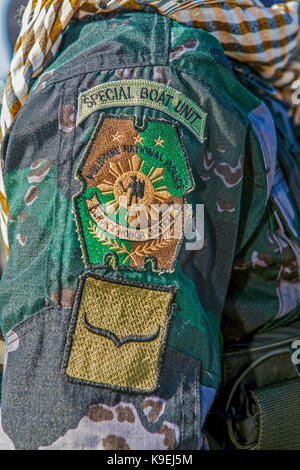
265, 38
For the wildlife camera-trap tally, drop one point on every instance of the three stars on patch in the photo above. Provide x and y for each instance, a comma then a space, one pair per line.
139, 140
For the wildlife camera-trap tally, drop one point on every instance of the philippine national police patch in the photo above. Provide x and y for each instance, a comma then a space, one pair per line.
134, 182
118, 334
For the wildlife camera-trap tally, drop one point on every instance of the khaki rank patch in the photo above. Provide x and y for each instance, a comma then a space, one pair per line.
125, 169
118, 334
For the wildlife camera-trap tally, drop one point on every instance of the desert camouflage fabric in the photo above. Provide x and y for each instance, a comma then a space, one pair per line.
57, 286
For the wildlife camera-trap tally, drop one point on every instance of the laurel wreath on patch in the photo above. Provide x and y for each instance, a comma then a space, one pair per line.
142, 250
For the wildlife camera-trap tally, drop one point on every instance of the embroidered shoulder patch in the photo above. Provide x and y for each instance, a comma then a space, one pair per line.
134, 184
118, 334
145, 93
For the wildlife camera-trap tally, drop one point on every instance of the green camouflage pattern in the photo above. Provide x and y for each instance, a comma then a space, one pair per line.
242, 255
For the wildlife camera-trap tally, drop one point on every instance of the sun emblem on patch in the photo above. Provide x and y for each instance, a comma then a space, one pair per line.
134, 186
132, 193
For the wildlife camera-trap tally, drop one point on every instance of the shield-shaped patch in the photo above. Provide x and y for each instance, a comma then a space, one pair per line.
132, 202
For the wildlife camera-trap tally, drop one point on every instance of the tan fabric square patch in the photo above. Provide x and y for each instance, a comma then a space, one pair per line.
118, 333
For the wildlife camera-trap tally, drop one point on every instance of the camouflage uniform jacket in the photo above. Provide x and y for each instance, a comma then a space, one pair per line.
112, 333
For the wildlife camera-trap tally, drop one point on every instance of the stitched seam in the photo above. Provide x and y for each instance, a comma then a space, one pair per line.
69, 198
59, 273
51, 241
157, 62
153, 39
167, 42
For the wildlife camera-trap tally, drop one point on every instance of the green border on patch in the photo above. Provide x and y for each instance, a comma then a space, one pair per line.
145, 93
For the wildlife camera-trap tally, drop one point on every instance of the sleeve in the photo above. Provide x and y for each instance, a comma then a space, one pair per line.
265, 38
